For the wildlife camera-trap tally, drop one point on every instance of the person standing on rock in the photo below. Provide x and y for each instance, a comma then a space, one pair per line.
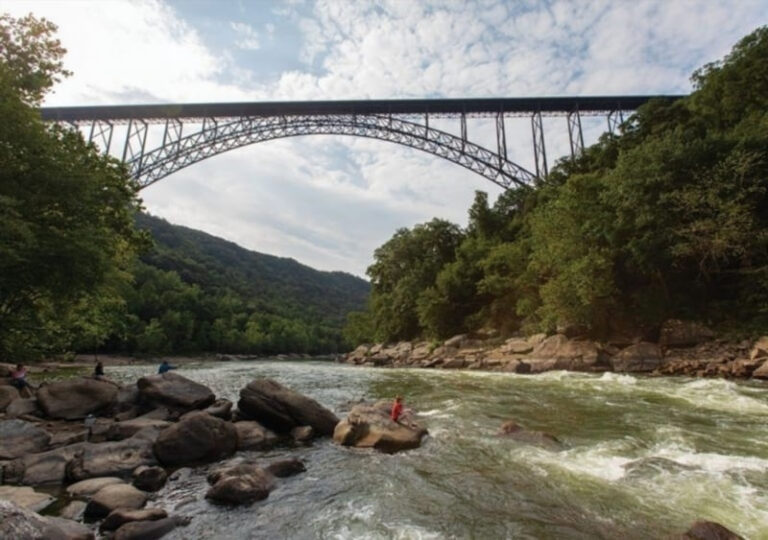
165, 367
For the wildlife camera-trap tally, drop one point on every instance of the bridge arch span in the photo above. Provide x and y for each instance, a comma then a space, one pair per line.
217, 138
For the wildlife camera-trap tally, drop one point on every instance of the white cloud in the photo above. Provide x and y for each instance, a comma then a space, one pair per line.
247, 37
329, 201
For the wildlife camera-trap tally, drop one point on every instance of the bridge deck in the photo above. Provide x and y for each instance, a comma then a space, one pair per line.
433, 107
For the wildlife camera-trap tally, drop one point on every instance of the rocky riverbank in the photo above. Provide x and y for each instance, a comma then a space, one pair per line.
107, 448
682, 348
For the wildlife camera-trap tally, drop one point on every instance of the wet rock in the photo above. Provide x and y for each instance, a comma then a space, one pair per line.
286, 467
302, 434
43, 468
121, 516
198, 437
639, 357
709, 530
370, 426
149, 478
253, 436
239, 484
74, 510
118, 458
18, 523
18, 438
512, 430
26, 497
112, 497
654, 465
148, 530
221, 408
86, 489
174, 391
128, 428
22, 407
282, 409
679, 333
76, 398
7, 394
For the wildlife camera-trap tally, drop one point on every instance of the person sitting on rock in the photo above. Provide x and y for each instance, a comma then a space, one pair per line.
397, 409
19, 378
98, 371
165, 367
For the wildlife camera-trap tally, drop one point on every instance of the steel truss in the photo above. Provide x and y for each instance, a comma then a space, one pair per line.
215, 136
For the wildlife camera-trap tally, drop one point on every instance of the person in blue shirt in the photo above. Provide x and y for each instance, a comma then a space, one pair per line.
165, 367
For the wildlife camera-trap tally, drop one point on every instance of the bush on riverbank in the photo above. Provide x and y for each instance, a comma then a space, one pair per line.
666, 220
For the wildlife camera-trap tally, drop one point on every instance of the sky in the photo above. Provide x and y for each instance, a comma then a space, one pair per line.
329, 201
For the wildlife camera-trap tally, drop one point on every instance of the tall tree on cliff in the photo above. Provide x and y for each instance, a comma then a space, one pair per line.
66, 212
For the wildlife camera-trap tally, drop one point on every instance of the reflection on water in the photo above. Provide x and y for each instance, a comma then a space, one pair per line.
643, 458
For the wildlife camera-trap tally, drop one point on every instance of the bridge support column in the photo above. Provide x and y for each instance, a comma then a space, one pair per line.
575, 135
501, 138
615, 119
539, 148
135, 140
101, 134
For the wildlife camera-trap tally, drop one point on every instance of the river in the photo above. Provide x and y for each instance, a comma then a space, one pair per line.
643, 458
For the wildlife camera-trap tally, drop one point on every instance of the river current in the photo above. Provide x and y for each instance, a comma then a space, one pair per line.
642, 458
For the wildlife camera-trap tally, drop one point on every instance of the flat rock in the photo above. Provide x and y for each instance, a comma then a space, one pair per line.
118, 518
175, 391
253, 436
18, 523
76, 398
118, 458
147, 530
196, 438
370, 426
128, 428
282, 409
115, 496
18, 438
85, 489
43, 468
26, 497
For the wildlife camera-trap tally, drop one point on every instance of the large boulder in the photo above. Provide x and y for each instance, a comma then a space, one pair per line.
26, 497
282, 409
370, 426
253, 436
18, 523
22, 407
149, 478
112, 497
759, 350
44, 468
174, 391
679, 333
709, 530
129, 428
148, 530
7, 394
198, 437
221, 408
762, 371
76, 398
121, 516
239, 484
643, 356
559, 352
118, 458
18, 438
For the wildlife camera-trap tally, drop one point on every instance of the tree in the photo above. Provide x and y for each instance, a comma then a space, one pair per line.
66, 212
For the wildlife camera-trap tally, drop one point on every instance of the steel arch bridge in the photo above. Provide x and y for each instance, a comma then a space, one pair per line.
220, 127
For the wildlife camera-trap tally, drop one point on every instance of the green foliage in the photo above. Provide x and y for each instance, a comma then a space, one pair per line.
66, 213
667, 219
194, 292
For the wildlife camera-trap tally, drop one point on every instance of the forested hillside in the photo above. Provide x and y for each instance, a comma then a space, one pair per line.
196, 292
667, 219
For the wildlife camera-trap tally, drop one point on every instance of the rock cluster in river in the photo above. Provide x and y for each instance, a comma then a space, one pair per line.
683, 348
113, 461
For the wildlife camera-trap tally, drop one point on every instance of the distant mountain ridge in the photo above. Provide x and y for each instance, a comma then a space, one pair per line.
212, 262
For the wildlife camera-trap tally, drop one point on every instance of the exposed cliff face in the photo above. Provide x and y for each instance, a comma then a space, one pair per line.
694, 353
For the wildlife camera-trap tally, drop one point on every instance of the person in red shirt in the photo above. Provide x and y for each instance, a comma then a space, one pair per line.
397, 409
